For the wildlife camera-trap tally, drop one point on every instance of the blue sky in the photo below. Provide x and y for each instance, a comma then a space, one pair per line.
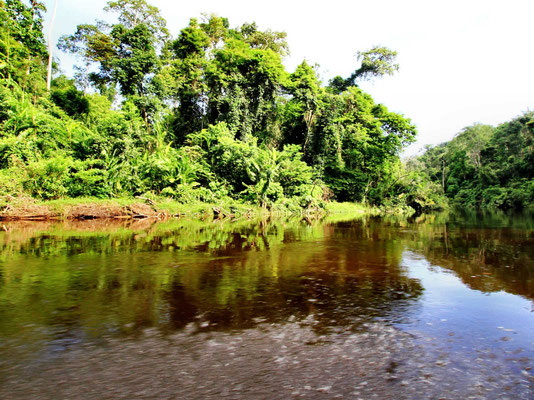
461, 62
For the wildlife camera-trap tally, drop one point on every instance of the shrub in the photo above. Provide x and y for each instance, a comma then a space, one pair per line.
47, 179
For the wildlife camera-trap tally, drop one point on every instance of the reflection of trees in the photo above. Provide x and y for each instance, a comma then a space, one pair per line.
339, 286
222, 275
487, 258
211, 275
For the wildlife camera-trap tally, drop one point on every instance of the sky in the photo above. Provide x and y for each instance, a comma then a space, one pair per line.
461, 62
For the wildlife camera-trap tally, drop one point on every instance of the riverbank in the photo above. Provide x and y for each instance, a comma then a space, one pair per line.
25, 208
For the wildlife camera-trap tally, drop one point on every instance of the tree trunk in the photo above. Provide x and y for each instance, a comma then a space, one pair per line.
443, 174
308, 119
31, 27
8, 53
49, 72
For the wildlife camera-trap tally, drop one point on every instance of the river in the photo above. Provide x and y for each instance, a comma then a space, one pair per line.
434, 307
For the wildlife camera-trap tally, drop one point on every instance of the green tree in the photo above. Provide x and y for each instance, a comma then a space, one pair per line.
358, 144
301, 111
125, 53
243, 85
376, 62
485, 166
22, 44
185, 73
136, 12
92, 45
263, 40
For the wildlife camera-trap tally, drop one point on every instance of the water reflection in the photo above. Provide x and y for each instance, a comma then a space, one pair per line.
428, 305
489, 252
215, 276
103, 278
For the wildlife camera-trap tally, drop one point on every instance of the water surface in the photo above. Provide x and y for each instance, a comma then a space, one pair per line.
437, 306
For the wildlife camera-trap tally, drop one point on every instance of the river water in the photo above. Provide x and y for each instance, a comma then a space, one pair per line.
433, 307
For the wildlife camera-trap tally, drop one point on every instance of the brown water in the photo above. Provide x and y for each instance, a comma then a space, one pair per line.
438, 307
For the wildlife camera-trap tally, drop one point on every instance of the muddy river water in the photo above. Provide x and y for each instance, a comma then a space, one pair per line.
433, 307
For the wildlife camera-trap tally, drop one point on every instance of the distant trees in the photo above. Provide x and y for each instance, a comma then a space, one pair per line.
485, 166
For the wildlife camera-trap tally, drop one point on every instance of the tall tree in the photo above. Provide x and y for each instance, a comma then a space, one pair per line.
92, 45
125, 53
243, 85
134, 62
357, 144
301, 111
22, 44
186, 70
136, 12
50, 30
374, 63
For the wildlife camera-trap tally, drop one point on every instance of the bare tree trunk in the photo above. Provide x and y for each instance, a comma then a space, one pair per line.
86, 78
49, 74
31, 27
443, 174
8, 53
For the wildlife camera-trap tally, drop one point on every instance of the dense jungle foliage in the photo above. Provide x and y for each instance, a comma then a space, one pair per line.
208, 115
484, 166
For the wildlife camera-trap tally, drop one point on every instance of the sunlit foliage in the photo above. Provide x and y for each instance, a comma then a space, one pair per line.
207, 115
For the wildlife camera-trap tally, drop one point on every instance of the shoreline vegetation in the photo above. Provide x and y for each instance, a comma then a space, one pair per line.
198, 116
28, 209
209, 119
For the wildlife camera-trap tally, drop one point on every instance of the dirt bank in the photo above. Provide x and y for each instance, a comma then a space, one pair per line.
29, 210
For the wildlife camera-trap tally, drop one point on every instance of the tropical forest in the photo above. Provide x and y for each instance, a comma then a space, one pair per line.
204, 212
210, 114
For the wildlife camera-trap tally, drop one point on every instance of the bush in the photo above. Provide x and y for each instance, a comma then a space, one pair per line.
62, 176
47, 179
89, 179
11, 181
249, 171
70, 100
